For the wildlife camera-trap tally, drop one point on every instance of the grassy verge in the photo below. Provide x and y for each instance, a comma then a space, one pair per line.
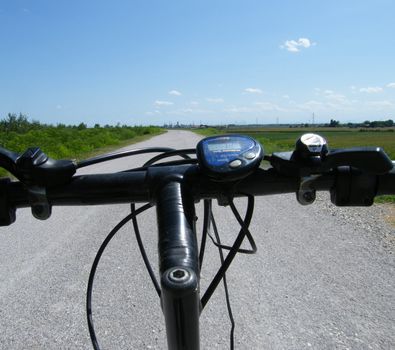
283, 139
385, 199
69, 142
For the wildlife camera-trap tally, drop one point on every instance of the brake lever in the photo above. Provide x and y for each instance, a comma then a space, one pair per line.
37, 171
35, 168
8, 160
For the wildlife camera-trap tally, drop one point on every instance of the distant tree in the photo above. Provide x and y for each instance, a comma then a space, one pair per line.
35, 124
96, 126
82, 126
12, 122
334, 123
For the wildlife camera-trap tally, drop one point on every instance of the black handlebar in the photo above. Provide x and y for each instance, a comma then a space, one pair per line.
347, 185
353, 177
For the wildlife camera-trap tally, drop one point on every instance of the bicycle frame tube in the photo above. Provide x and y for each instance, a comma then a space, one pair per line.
178, 265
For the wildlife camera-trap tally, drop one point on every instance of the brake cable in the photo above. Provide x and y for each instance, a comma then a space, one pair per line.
233, 251
99, 253
225, 263
143, 252
218, 244
227, 298
116, 155
206, 226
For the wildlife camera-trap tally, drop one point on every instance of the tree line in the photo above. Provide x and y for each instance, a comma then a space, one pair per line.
366, 124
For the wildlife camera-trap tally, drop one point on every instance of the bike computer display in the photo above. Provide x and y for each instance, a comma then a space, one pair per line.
229, 157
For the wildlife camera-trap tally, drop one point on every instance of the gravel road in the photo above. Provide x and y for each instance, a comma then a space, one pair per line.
323, 277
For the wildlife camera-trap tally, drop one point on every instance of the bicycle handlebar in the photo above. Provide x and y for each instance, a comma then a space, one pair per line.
139, 186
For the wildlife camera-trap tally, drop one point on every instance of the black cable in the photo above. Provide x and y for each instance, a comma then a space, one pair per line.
177, 162
180, 152
228, 306
172, 162
247, 221
111, 156
94, 267
143, 252
206, 227
232, 253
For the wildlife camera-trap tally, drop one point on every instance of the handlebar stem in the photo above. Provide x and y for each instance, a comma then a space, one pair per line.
178, 263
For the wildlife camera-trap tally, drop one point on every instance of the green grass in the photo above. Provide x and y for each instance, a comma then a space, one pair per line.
385, 199
74, 143
283, 139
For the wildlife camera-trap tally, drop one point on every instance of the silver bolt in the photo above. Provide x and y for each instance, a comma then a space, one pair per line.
179, 275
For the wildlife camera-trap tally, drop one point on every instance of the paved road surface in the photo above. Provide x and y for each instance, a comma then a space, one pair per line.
320, 280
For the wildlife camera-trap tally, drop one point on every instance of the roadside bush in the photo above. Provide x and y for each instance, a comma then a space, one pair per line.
17, 133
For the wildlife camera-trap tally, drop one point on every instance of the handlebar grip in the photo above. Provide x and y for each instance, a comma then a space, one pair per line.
353, 187
7, 210
386, 183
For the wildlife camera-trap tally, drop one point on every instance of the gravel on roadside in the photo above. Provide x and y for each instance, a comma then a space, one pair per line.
376, 221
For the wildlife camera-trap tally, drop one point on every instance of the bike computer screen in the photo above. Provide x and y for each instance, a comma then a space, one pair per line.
229, 157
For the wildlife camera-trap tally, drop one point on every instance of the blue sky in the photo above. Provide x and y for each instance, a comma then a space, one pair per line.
155, 62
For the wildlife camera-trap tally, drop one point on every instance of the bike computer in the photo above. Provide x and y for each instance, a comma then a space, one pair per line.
228, 157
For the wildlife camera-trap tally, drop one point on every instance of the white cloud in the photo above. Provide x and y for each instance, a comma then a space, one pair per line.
257, 107
391, 85
332, 99
312, 105
380, 104
371, 89
235, 109
175, 93
163, 103
215, 100
153, 113
188, 111
297, 45
268, 106
286, 97
194, 103
253, 91
339, 98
